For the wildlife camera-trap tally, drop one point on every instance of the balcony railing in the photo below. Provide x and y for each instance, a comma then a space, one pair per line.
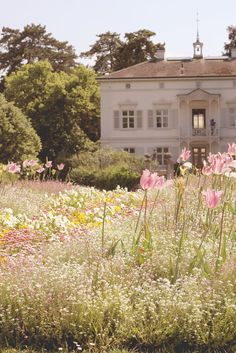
205, 132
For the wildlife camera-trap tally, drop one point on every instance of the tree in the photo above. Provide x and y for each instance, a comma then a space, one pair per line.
105, 51
232, 40
56, 103
84, 97
18, 140
137, 48
111, 53
31, 45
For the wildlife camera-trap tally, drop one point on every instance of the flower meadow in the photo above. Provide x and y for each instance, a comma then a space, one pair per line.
153, 270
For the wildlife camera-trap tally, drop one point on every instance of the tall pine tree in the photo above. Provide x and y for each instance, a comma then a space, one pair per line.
33, 44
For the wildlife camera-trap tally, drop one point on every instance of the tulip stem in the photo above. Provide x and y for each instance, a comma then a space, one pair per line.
140, 210
103, 227
154, 202
179, 253
221, 233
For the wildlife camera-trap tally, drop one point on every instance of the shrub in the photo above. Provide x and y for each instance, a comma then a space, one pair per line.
108, 178
104, 156
105, 168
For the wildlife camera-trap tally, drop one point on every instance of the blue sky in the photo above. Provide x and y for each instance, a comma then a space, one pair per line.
78, 21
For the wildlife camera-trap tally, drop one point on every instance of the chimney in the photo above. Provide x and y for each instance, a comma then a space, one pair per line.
160, 54
233, 53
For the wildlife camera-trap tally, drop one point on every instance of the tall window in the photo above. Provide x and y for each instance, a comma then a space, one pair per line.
162, 118
128, 119
199, 118
160, 154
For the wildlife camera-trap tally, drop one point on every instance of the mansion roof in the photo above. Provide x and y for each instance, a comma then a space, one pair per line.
179, 68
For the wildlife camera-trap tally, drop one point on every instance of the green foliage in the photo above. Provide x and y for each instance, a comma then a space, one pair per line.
6, 178
137, 48
105, 51
232, 40
105, 168
168, 350
18, 139
83, 100
33, 44
108, 178
62, 107
111, 53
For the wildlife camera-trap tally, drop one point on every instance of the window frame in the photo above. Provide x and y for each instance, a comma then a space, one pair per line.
160, 152
128, 149
197, 113
161, 117
128, 117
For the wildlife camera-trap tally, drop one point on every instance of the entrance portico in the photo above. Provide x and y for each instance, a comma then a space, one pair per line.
199, 123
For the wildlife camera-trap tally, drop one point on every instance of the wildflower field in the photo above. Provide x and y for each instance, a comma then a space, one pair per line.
152, 270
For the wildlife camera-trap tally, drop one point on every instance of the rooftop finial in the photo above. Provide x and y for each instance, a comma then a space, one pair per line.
197, 27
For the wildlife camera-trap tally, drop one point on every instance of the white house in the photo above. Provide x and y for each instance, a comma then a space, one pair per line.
167, 104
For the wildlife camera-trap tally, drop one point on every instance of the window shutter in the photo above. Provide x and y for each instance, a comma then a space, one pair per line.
116, 119
139, 119
150, 119
174, 151
232, 116
224, 119
170, 118
174, 118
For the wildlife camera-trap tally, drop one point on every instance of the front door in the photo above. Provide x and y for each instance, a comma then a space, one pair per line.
198, 156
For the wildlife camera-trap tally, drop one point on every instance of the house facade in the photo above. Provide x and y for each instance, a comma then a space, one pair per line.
165, 105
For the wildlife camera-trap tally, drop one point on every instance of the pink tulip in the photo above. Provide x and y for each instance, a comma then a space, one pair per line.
148, 180
206, 170
48, 164
184, 156
220, 163
32, 163
40, 170
13, 168
29, 163
160, 182
212, 197
211, 157
60, 166
232, 149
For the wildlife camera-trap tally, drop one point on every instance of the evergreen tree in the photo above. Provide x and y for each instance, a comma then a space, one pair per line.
111, 53
33, 44
137, 48
232, 40
105, 52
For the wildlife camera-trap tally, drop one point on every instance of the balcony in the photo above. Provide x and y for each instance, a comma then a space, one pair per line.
205, 132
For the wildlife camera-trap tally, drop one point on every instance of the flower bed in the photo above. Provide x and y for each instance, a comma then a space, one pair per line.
151, 270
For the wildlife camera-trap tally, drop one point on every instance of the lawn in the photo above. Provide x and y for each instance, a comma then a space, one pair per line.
94, 271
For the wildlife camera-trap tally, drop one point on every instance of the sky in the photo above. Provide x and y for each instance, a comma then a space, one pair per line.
174, 22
